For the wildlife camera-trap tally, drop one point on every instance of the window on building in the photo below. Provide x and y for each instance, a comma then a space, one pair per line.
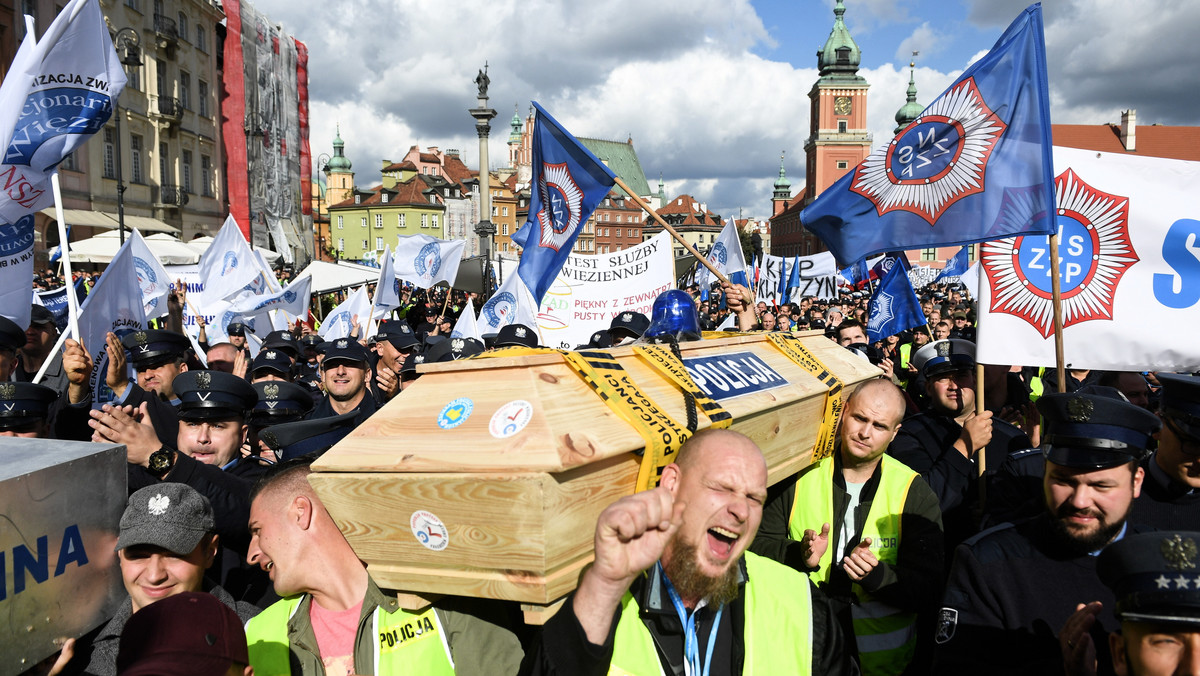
201, 38
185, 90
379, 222
928, 254
164, 165
400, 220
341, 244
433, 222
187, 170
135, 5
494, 212
432, 198
135, 157
841, 126
206, 178
363, 222
378, 243
424, 220
133, 78
364, 245
183, 26
69, 163
842, 164
160, 77
504, 211
341, 225
504, 228
110, 162
971, 251
202, 95
358, 199
504, 246
383, 197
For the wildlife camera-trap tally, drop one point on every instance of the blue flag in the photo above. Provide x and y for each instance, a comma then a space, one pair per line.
894, 307
793, 282
973, 167
956, 266
782, 288
567, 184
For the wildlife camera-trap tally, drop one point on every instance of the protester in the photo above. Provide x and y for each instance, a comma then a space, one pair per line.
321, 625
867, 530
40, 340
672, 581
1012, 588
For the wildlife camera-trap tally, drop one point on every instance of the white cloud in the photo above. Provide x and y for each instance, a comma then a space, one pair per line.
924, 39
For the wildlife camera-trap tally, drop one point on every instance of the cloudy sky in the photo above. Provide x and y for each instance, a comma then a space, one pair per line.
710, 91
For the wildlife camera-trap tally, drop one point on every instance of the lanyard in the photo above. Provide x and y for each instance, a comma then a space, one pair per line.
691, 642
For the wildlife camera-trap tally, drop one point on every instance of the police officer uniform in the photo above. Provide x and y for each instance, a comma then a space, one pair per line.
1012, 587
347, 350
24, 407
293, 439
926, 440
1165, 502
54, 377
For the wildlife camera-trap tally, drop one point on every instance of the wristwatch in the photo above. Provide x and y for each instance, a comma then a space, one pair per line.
161, 462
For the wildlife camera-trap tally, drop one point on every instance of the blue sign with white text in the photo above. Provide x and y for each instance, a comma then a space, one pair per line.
726, 376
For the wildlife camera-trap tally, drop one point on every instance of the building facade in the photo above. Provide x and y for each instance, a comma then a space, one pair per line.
618, 223
691, 219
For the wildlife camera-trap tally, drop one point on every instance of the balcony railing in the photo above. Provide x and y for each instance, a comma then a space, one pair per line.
166, 30
172, 195
168, 108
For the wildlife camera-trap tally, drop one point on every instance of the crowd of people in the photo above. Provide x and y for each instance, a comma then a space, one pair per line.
1053, 533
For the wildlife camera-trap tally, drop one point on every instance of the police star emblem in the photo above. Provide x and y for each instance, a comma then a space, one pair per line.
271, 391
140, 337
1079, 409
1179, 552
270, 354
203, 380
458, 344
942, 348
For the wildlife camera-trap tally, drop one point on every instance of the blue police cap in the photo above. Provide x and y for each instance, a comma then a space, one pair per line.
294, 439
24, 403
311, 340
453, 349
516, 335
1180, 403
342, 350
271, 359
944, 356
411, 362
238, 329
629, 324
212, 395
1094, 428
398, 333
154, 347
12, 336
599, 340
1154, 576
283, 340
279, 402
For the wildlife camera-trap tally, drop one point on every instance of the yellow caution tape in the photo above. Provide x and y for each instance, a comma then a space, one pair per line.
665, 362
793, 349
663, 436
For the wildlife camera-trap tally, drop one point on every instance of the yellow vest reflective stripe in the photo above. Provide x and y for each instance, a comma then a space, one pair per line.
1036, 388
404, 642
885, 635
777, 634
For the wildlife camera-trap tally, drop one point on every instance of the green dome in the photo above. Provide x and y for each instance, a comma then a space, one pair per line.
840, 53
339, 161
910, 110
514, 136
782, 181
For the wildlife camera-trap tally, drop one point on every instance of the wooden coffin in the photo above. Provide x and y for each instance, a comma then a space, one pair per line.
500, 501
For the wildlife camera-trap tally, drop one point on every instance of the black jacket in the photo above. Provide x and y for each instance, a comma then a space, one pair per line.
563, 648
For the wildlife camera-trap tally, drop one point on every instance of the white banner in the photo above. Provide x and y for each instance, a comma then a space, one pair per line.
425, 261
769, 271
591, 290
1129, 230
921, 276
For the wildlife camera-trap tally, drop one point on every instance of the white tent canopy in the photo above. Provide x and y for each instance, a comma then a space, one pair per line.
333, 276
102, 248
201, 244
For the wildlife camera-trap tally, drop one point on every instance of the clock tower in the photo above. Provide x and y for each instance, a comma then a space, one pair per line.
838, 138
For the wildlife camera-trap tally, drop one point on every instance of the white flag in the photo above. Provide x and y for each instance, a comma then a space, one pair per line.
115, 305
1128, 269
228, 265
387, 290
293, 299
466, 327
340, 322
727, 257
511, 304
425, 260
56, 94
151, 277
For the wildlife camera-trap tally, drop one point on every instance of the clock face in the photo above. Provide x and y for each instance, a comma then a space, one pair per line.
841, 105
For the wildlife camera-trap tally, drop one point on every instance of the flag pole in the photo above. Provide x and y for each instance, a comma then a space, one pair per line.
65, 257
1056, 303
679, 238
62, 340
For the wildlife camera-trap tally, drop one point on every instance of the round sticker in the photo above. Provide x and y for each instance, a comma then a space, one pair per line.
455, 413
510, 418
429, 530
